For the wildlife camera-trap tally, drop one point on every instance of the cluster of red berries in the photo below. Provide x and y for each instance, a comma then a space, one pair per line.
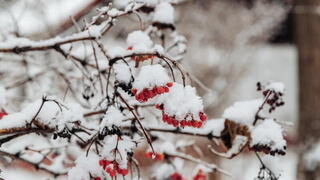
112, 168
147, 94
2, 113
199, 176
176, 176
182, 123
140, 58
156, 156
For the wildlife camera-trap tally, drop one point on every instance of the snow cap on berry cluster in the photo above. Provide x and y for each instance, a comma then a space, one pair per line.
151, 76
277, 87
113, 116
123, 146
243, 112
164, 13
139, 41
269, 134
84, 166
182, 101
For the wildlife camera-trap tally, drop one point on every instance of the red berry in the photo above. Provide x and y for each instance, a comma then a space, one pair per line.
160, 90
175, 123
97, 178
194, 123
166, 89
2, 114
123, 172
134, 91
170, 84
129, 48
102, 162
183, 123
202, 116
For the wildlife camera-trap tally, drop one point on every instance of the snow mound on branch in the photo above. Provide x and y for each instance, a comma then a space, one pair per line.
50, 114
139, 41
182, 101
268, 133
123, 145
164, 13
122, 72
151, 76
84, 166
243, 112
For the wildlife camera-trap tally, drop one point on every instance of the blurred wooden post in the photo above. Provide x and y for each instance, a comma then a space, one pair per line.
307, 38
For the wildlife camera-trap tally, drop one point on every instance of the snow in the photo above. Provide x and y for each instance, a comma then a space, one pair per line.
84, 166
123, 145
164, 13
139, 41
12, 42
278, 87
213, 126
268, 133
50, 114
182, 101
243, 112
151, 76
149, 3
116, 52
112, 117
122, 72
114, 12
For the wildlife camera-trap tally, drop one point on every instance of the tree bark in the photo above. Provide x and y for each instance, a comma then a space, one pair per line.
307, 38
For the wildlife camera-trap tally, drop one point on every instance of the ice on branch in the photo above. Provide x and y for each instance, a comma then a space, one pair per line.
243, 112
268, 137
164, 14
182, 107
84, 166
